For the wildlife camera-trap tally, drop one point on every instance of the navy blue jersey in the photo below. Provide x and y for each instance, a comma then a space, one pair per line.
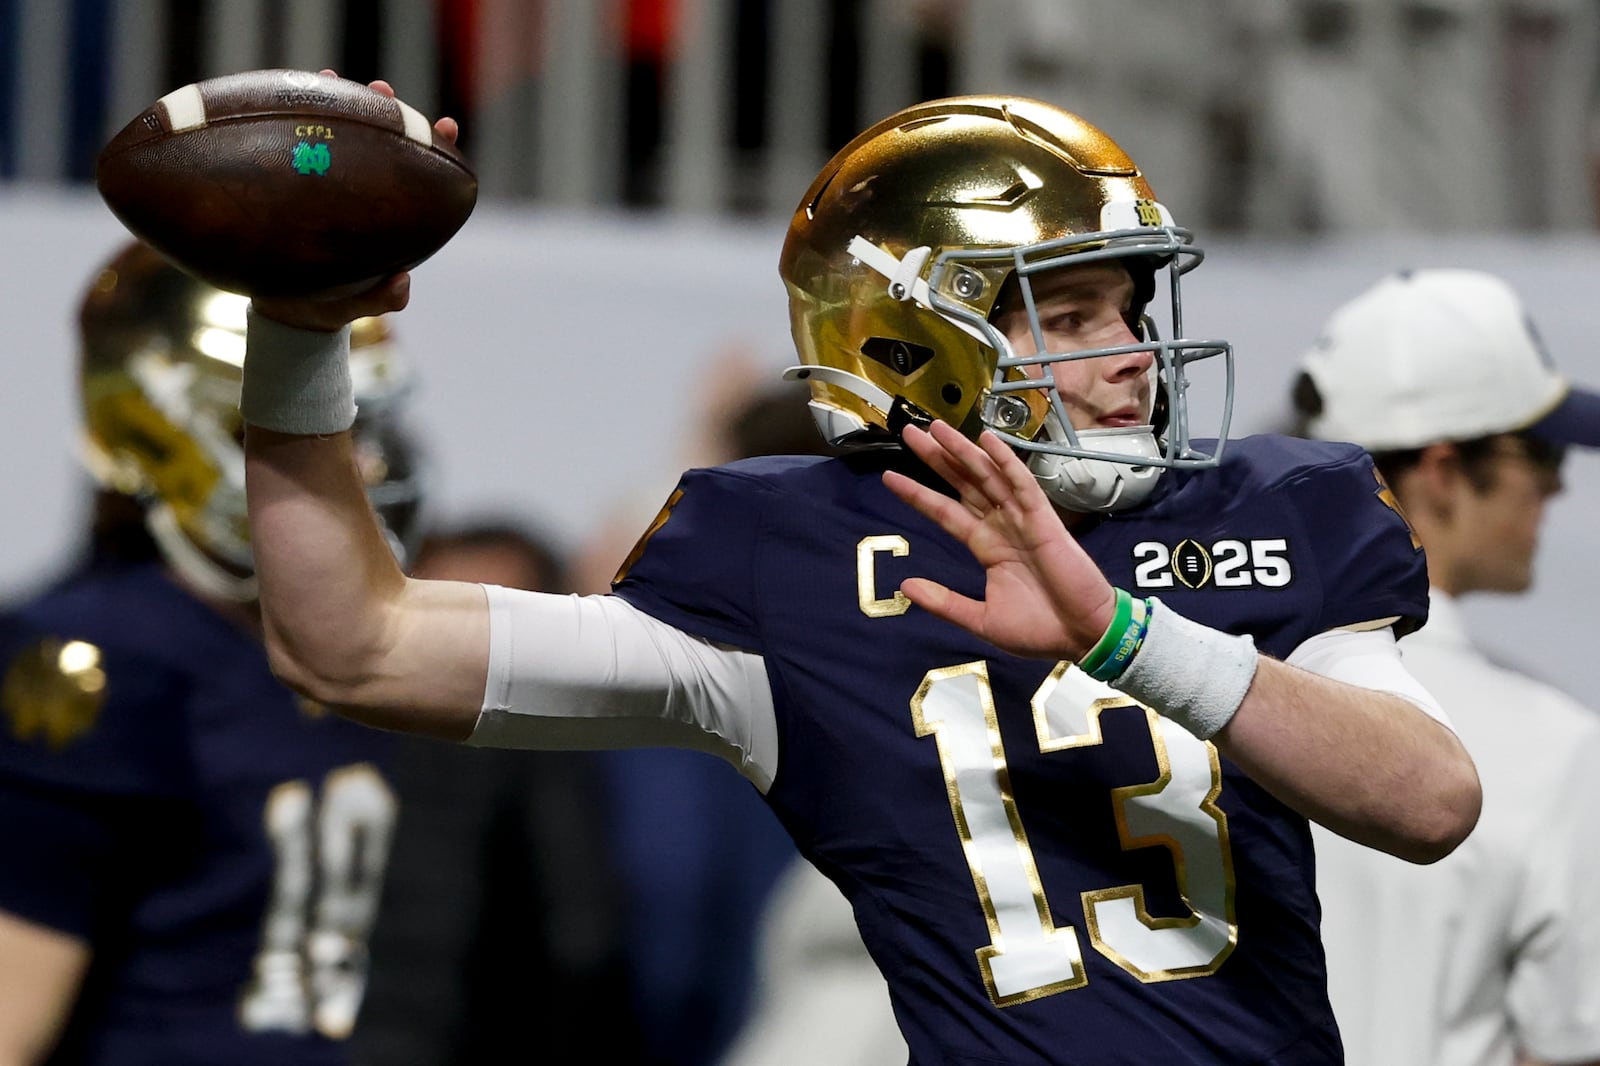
218, 842
1044, 870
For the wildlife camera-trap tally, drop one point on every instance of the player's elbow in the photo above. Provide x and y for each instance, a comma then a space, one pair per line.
329, 672
1448, 812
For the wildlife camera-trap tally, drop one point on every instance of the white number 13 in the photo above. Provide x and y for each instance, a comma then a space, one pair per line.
1028, 956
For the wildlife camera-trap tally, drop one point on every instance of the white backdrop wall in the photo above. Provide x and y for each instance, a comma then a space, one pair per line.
559, 357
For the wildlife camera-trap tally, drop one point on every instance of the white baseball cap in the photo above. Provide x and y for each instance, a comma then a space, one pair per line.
1441, 355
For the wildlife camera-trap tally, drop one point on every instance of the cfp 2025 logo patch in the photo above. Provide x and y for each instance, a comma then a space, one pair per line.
1226, 564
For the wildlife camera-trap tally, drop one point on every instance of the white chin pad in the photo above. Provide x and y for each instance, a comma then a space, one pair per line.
1079, 484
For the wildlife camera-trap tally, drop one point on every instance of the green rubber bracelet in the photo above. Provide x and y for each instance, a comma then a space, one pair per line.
1121, 615
1126, 648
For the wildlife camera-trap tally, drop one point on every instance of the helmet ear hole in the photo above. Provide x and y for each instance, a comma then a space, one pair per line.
904, 357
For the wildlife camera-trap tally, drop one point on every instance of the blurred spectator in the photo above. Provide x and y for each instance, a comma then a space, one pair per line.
820, 998
728, 418
1492, 956
1417, 115
1262, 115
502, 915
1176, 105
193, 854
700, 850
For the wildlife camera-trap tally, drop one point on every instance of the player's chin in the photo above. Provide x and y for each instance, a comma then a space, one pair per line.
1513, 578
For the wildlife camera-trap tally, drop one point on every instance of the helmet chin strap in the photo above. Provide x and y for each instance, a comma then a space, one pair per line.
1100, 485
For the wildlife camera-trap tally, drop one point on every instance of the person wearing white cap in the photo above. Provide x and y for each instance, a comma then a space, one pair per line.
1491, 956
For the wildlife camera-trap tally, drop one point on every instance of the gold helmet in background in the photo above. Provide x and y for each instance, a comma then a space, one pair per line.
161, 362
901, 249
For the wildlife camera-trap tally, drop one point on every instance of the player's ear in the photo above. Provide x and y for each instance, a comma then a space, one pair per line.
1434, 480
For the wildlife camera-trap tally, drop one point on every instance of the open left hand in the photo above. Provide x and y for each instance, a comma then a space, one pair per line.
1044, 597
390, 294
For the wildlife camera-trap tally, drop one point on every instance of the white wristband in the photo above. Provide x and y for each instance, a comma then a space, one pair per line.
1193, 674
297, 380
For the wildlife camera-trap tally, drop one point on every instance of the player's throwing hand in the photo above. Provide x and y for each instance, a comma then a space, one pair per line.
390, 294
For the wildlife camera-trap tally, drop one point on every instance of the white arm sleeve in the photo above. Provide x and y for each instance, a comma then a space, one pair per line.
595, 672
1369, 658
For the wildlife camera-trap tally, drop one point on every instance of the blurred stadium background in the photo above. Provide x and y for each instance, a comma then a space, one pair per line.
639, 158
1260, 116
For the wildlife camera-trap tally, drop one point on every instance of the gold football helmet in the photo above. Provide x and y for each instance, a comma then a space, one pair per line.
161, 362
899, 252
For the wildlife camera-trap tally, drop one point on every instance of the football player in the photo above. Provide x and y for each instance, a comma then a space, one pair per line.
192, 852
1073, 826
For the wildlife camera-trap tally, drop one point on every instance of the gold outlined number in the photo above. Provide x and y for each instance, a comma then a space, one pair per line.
1028, 956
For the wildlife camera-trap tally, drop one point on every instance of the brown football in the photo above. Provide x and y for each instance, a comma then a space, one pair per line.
286, 183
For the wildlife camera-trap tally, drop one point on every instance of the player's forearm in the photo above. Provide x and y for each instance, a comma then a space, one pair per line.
41, 973
343, 625
327, 579
1366, 764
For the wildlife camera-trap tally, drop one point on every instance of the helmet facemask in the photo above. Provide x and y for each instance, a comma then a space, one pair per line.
1108, 469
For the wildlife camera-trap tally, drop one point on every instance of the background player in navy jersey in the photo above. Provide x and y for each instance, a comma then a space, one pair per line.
1045, 869
192, 854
